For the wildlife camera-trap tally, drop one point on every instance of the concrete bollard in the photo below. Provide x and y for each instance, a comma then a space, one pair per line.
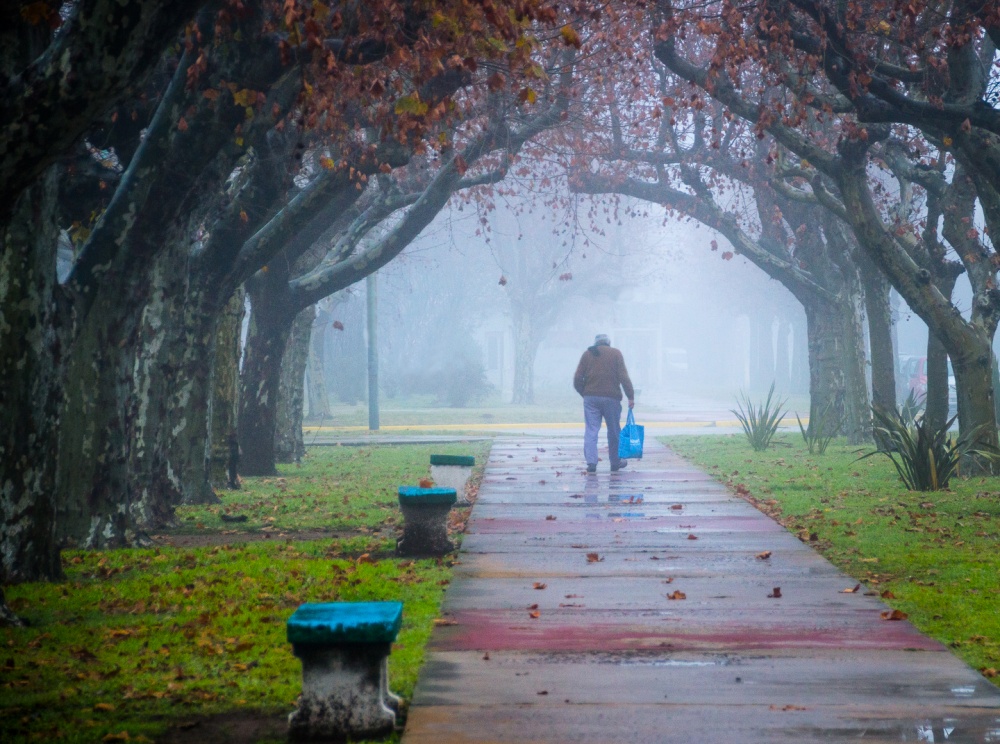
425, 521
344, 647
453, 471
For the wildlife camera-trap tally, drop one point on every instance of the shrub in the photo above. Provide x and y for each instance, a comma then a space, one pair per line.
759, 423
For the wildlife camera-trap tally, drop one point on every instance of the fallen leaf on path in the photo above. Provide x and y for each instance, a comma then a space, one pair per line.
677, 506
534, 614
775, 593
853, 590
765, 555
788, 707
669, 580
539, 585
574, 596
893, 615
594, 558
550, 517
542, 692
533, 606
445, 621
426, 483
692, 537
678, 594
486, 656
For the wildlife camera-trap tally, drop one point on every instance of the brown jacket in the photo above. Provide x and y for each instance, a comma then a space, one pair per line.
603, 374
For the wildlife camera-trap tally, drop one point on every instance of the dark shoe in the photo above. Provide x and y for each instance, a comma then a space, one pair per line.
621, 464
592, 468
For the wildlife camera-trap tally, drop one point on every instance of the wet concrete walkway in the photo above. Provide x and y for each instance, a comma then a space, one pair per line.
561, 627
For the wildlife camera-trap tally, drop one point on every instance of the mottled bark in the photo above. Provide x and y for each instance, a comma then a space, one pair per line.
30, 365
103, 50
880, 341
857, 406
288, 443
827, 386
267, 337
226, 398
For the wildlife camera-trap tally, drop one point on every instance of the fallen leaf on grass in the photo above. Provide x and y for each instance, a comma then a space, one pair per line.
989, 672
765, 555
426, 483
853, 590
678, 594
775, 593
119, 736
364, 558
893, 615
594, 558
104, 707
538, 585
887, 595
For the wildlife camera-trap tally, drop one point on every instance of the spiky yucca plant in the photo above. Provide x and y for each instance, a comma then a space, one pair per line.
759, 423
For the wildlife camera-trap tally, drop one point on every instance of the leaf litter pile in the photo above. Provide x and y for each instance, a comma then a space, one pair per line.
139, 641
931, 556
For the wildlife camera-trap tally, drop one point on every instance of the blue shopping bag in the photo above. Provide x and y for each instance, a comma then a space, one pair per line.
632, 436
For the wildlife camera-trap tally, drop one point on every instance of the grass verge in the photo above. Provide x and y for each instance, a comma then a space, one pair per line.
148, 644
932, 555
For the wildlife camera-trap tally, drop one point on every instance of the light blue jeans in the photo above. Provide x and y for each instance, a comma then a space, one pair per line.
594, 409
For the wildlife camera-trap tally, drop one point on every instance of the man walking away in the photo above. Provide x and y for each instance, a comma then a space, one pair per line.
600, 378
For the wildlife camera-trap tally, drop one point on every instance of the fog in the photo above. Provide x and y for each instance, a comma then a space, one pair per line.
693, 323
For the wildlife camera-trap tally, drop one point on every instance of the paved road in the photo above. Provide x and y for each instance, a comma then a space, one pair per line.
563, 631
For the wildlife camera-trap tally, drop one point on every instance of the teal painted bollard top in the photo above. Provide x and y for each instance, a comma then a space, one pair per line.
333, 623
464, 461
344, 648
425, 521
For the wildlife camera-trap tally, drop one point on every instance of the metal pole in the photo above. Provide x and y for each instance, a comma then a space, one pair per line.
371, 287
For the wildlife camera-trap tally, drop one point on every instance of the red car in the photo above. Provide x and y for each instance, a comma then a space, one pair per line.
914, 371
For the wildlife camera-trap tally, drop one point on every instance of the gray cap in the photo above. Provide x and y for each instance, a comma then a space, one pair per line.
601, 339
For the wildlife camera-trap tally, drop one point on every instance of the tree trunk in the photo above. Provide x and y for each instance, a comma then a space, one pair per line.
96, 430
226, 397
169, 454
827, 387
30, 366
288, 442
260, 379
317, 395
936, 394
857, 407
974, 380
880, 337
525, 348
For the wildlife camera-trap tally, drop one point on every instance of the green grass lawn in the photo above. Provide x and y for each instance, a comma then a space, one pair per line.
933, 555
137, 641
